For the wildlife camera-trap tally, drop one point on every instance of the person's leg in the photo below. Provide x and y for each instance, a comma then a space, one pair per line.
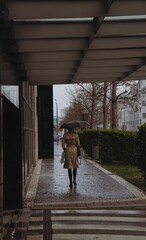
74, 176
70, 177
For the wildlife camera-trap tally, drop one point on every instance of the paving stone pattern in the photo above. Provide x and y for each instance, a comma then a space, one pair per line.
94, 184
103, 206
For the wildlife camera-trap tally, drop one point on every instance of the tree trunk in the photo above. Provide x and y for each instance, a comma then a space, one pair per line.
114, 106
93, 107
105, 107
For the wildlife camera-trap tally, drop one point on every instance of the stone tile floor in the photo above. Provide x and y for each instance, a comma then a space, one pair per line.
103, 206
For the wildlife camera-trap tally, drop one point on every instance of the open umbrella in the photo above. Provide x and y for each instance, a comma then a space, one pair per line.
75, 124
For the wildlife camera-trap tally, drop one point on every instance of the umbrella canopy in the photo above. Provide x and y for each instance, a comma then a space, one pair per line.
75, 124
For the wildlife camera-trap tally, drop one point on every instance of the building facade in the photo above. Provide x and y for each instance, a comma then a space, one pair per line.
131, 117
26, 135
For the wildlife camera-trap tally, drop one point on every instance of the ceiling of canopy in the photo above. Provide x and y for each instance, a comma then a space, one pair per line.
73, 41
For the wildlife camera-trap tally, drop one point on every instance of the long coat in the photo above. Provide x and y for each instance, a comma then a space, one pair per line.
70, 142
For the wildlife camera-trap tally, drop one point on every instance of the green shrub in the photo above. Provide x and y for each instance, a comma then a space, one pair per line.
114, 145
142, 149
89, 138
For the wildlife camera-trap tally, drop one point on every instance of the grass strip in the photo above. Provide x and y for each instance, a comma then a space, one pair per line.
130, 173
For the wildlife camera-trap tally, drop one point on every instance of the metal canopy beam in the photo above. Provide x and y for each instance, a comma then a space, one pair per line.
74, 41
54, 9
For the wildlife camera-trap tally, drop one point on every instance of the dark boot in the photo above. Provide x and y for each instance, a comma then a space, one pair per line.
74, 176
70, 177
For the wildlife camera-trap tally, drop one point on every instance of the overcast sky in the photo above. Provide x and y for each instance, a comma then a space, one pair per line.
59, 95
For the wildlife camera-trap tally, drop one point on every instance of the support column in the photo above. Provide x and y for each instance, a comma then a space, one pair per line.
45, 122
1, 167
12, 156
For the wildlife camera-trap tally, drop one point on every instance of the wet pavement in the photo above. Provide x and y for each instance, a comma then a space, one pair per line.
103, 206
94, 184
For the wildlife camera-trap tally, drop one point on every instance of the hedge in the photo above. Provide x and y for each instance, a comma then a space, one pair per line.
142, 148
114, 145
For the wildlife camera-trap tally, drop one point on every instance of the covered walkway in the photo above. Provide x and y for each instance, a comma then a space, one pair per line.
45, 43
49, 187
103, 206
65, 42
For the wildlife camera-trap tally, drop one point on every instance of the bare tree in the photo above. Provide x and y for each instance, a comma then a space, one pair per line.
97, 103
73, 112
114, 106
125, 92
105, 106
90, 98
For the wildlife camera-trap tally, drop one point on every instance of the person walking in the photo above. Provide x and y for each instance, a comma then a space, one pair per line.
70, 145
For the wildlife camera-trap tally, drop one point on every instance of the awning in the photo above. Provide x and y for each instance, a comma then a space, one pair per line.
66, 42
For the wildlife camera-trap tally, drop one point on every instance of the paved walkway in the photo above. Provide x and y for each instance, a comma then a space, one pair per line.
103, 206
95, 186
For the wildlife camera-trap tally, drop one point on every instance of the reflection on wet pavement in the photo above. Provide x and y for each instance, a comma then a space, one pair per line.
92, 183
